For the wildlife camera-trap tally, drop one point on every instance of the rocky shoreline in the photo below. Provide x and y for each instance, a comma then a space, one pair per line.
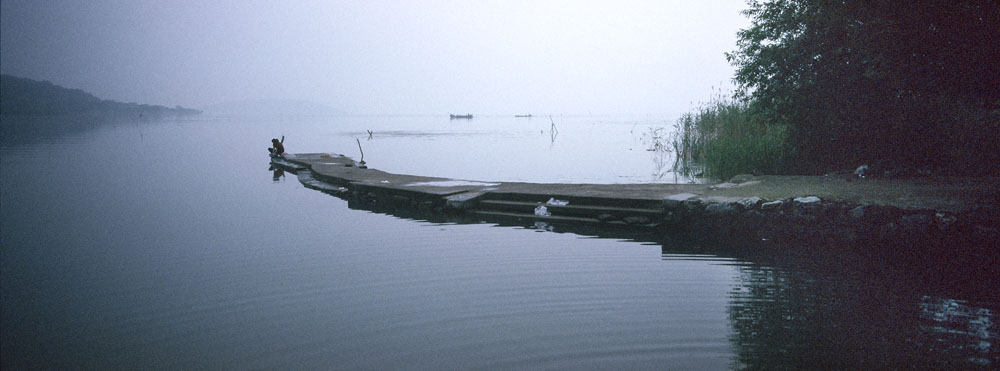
834, 222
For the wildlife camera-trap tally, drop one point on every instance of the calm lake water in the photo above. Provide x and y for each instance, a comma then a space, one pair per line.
169, 244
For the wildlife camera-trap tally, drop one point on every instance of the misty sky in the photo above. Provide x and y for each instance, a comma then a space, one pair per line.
393, 57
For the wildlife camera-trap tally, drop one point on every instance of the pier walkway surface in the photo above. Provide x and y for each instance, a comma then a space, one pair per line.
943, 194
838, 209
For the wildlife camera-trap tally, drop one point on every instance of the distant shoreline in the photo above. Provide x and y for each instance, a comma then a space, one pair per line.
27, 97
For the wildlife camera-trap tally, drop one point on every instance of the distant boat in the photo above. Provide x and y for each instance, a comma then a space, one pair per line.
465, 116
528, 115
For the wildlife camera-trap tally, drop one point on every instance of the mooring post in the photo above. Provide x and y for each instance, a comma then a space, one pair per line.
362, 163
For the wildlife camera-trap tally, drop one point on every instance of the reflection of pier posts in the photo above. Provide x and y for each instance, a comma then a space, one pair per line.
553, 132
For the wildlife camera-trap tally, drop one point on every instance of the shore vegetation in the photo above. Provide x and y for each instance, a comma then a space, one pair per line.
827, 86
723, 137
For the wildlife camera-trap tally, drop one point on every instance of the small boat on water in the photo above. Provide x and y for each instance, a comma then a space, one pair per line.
465, 116
528, 115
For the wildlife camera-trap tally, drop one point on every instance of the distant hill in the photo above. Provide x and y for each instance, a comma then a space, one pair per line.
23, 96
271, 107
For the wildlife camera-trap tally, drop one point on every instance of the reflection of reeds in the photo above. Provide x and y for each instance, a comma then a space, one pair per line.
723, 138
660, 161
657, 140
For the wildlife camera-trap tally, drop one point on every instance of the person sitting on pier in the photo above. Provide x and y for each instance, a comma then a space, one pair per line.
277, 149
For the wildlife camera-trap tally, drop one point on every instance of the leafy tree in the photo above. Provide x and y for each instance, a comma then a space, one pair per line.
916, 83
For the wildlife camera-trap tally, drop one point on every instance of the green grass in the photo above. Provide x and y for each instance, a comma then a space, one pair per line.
723, 138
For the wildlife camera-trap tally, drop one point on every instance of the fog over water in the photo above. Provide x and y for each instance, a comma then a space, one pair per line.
144, 241
431, 57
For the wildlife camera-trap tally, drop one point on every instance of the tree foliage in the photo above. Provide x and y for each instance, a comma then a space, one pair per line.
916, 82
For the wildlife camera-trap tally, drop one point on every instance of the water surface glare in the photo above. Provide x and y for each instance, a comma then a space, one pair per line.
168, 244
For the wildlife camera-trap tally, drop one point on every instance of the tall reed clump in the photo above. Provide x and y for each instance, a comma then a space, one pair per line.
723, 138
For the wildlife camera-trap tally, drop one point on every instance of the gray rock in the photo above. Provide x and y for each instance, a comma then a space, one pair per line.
861, 171
807, 200
750, 203
807, 206
773, 205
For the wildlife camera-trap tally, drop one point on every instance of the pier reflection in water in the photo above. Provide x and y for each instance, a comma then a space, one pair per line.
816, 309
788, 319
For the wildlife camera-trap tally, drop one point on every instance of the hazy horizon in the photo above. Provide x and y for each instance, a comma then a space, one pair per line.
382, 57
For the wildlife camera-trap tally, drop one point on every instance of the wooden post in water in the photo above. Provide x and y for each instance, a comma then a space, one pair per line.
362, 163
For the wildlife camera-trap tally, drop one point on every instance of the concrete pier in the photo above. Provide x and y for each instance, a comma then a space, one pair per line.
829, 209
